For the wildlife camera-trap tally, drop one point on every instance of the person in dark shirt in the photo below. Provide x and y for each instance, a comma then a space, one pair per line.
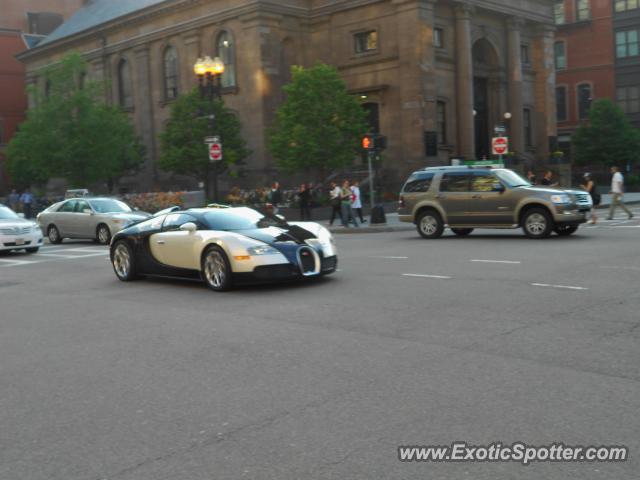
304, 196
548, 180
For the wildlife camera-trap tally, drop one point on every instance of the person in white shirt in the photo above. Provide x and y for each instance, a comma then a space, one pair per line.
335, 196
356, 202
617, 192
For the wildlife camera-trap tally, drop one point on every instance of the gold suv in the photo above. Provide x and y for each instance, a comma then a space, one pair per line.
465, 198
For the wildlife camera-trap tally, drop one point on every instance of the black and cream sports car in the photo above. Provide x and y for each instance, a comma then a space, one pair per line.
223, 247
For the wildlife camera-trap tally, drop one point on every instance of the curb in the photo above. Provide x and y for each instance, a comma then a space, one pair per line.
360, 230
605, 207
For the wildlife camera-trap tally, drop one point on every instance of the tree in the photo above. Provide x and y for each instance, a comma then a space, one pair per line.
319, 126
72, 133
183, 147
607, 138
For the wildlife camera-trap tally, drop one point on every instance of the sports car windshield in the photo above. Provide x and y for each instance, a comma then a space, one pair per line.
110, 206
239, 219
7, 214
512, 179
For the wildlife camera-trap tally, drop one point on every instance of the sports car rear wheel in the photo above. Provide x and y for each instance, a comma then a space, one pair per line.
216, 271
123, 262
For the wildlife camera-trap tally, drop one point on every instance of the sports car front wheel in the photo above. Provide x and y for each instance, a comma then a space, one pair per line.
123, 262
216, 271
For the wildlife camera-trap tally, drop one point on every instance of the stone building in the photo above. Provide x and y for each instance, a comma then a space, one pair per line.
435, 76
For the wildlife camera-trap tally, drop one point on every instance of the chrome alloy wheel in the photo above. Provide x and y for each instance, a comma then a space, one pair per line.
122, 261
53, 234
429, 225
104, 236
215, 269
536, 224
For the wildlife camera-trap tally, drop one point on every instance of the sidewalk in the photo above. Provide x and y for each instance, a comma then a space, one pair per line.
632, 198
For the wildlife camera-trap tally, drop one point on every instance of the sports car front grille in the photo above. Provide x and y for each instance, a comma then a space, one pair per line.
309, 261
15, 230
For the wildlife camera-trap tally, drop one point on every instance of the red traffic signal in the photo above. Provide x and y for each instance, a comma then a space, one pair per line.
367, 142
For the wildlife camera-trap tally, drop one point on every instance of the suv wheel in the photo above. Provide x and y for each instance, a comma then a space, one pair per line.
537, 223
462, 232
565, 230
430, 224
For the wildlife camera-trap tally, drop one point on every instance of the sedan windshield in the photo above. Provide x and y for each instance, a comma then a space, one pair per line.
512, 179
7, 214
110, 206
239, 219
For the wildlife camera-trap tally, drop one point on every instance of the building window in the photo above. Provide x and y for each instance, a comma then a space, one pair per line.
624, 5
561, 104
560, 56
584, 100
528, 129
125, 97
627, 44
438, 37
558, 12
43, 23
373, 116
524, 54
170, 74
583, 10
227, 53
366, 41
629, 99
441, 119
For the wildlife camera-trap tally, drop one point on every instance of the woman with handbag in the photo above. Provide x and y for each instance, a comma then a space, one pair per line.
590, 186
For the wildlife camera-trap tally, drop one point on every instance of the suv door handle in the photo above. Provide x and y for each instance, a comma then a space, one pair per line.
160, 242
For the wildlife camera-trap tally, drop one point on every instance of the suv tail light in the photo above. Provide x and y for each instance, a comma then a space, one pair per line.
401, 203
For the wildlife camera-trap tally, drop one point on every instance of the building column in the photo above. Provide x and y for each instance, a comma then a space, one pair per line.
516, 107
545, 105
144, 116
464, 81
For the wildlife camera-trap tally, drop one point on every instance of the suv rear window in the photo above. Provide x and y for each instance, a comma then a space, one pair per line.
418, 183
455, 182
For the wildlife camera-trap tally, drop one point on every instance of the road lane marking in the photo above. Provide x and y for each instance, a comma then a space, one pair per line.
391, 258
611, 267
509, 262
416, 275
565, 287
17, 263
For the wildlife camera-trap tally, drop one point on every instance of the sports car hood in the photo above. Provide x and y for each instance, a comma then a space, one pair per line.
275, 236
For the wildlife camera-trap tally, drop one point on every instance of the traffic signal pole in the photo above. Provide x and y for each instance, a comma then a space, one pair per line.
370, 154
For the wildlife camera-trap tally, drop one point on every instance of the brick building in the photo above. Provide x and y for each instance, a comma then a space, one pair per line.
436, 75
22, 25
627, 64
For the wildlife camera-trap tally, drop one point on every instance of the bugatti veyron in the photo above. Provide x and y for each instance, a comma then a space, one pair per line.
223, 247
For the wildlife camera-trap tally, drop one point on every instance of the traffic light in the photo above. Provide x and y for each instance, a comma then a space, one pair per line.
379, 142
367, 142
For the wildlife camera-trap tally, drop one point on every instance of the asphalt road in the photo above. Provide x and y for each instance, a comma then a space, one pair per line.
490, 338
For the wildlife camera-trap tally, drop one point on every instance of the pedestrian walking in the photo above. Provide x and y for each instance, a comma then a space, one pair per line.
14, 200
26, 199
617, 193
356, 204
590, 186
548, 180
346, 197
275, 197
336, 203
304, 197
531, 177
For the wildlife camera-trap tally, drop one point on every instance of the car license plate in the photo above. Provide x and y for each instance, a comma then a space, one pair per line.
19, 241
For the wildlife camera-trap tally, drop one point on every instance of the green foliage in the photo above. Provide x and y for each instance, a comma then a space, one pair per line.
71, 133
607, 138
319, 126
183, 147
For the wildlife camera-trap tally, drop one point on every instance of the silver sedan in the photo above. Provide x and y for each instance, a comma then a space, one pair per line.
96, 218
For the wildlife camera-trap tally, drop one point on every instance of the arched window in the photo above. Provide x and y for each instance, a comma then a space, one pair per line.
125, 96
226, 51
170, 74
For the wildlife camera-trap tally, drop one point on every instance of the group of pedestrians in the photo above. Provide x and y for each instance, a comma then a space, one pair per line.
346, 203
616, 192
21, 202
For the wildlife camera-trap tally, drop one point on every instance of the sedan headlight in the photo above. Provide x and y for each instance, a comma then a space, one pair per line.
560, 199
262, 250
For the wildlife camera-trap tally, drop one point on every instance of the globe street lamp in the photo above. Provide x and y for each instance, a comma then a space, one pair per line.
209, 73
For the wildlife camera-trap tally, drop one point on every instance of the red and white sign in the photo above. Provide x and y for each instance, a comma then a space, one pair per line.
215, 152
500, 145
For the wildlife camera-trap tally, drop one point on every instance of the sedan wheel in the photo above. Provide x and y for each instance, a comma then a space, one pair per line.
537, 223
103, 235
430, 225
566, 230
54, 234
216, 271
123, 262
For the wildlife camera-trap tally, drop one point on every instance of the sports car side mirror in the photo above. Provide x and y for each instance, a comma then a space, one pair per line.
189, 227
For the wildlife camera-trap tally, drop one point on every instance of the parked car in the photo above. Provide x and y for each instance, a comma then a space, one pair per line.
465, 198
223, 247
17, 233
97, 218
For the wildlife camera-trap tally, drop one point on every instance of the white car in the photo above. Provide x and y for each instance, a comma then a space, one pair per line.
17, 233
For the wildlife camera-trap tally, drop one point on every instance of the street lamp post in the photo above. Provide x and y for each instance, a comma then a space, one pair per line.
209, 73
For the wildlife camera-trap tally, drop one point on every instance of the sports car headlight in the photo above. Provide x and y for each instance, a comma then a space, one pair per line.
560, 199
262, 250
